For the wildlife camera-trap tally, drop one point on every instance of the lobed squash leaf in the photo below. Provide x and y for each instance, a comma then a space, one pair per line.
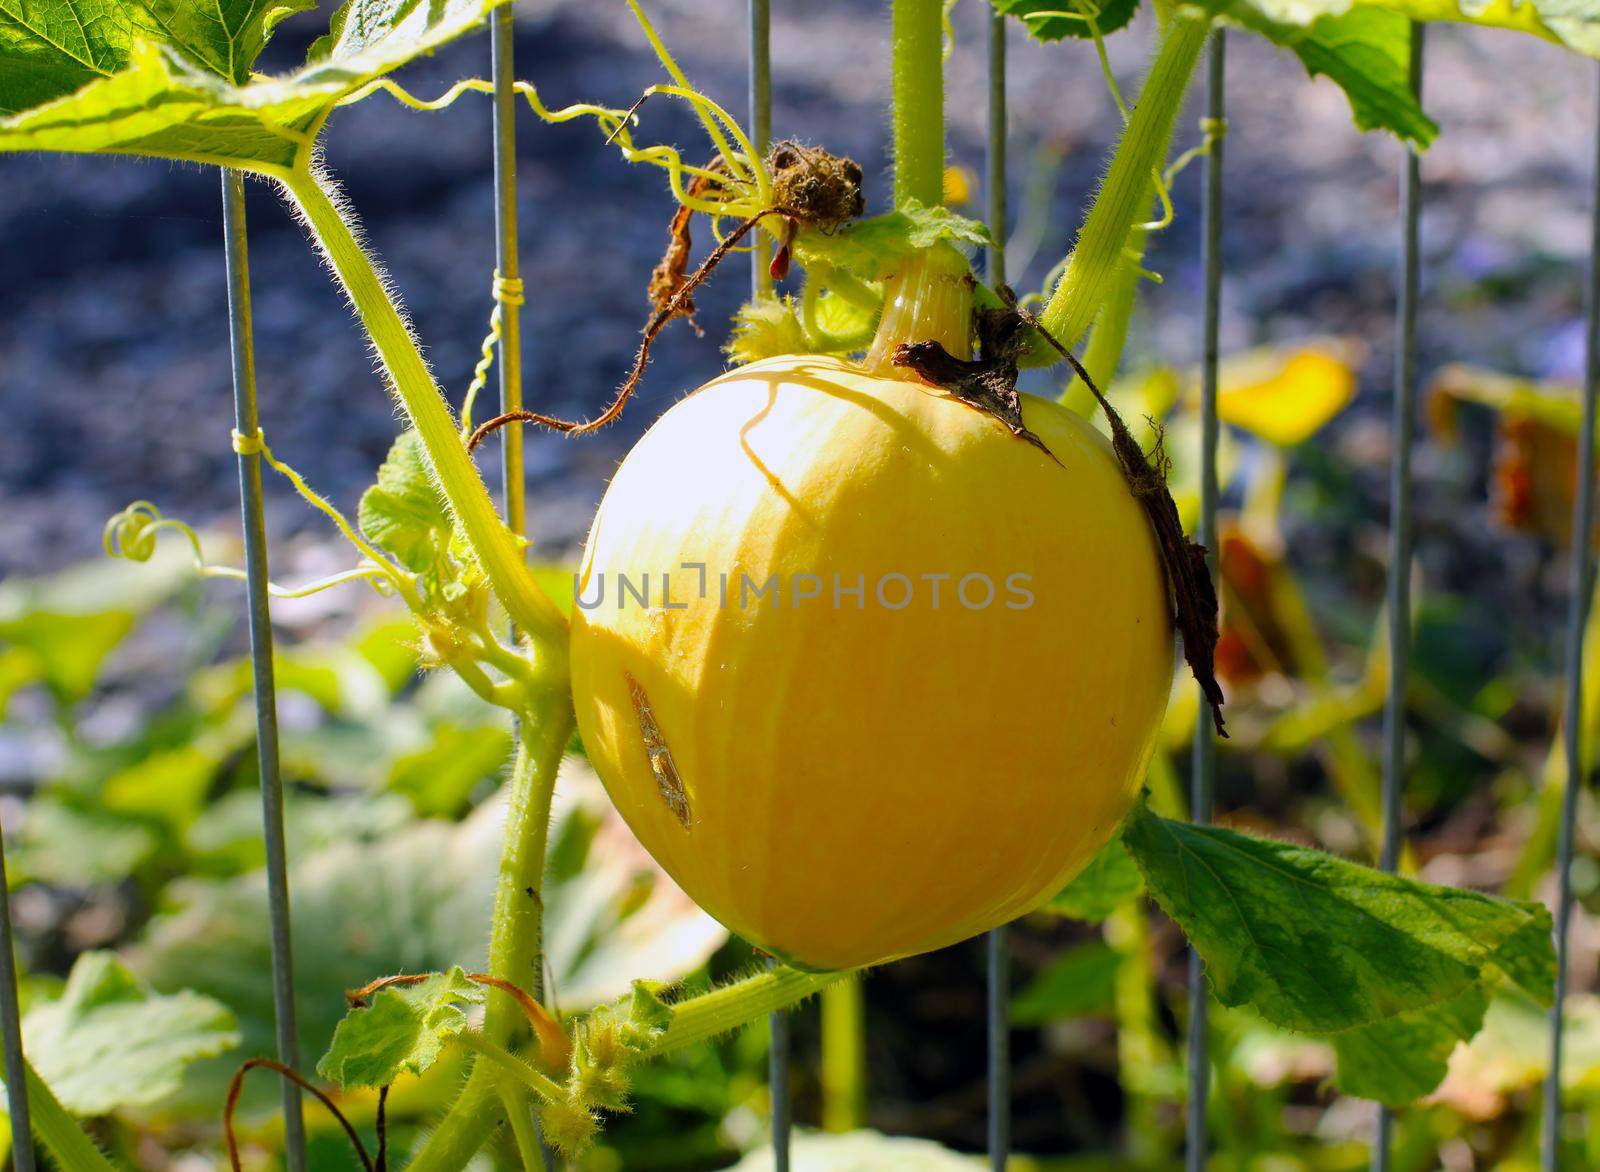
1320, 945
1054, 20
1394, 971
403, 1031
145, 85
110, 1042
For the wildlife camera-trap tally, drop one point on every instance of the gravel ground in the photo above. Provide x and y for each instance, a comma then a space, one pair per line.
113, 343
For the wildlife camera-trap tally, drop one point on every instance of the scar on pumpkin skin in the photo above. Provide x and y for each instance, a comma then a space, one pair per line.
668, 781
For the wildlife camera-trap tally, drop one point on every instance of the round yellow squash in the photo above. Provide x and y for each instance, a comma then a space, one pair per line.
865, 672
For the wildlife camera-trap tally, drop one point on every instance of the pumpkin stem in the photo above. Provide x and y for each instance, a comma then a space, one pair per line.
928, 300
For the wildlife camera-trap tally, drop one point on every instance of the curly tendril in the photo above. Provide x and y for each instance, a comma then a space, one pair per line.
506, 291
132, 533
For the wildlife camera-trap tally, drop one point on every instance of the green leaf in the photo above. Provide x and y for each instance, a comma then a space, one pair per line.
873, 249
413, 901
110, 1042
49, 48
74, 848
161, 100
440, 778
1366, 52
1399, 1060
1317, 944
1363, 48
225, 36
1051, 20
405, 513
1079, 983
68, 649
403, 1031
1110, 880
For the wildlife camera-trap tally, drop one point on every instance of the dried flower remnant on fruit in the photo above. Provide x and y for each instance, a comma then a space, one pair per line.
820, 190
668, 780
671, 273
989, 383
829, 191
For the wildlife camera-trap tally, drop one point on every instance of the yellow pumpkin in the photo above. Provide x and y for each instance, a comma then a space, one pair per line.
865, 672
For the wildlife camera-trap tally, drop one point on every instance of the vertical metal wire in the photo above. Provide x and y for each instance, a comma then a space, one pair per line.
505, 237
247, 423
1399, 584
760, 125
1204, 778
11, 1033
508, 271
761, 284
1577, 618
997, 954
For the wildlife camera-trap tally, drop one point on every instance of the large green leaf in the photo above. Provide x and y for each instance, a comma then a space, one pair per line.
110, 1042
415, 901
49, 48
1319, 945
162, 101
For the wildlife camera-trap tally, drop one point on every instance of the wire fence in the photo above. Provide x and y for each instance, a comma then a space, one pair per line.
1203, 765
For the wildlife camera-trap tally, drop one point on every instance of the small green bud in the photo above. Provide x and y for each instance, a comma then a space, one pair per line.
765, 328
569, 1126
599, 1063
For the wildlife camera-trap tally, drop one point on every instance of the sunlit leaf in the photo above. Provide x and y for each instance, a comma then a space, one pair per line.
163, 98
440, 778
403, 1031
68, 649
873, 249
110, 1042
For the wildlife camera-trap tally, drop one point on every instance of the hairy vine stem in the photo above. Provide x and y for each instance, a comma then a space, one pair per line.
499, 552
1125, 196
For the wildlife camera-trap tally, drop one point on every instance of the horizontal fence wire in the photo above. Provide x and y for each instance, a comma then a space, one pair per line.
1579, 586
247, 423
1402, 429
996, 953
1204, 763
